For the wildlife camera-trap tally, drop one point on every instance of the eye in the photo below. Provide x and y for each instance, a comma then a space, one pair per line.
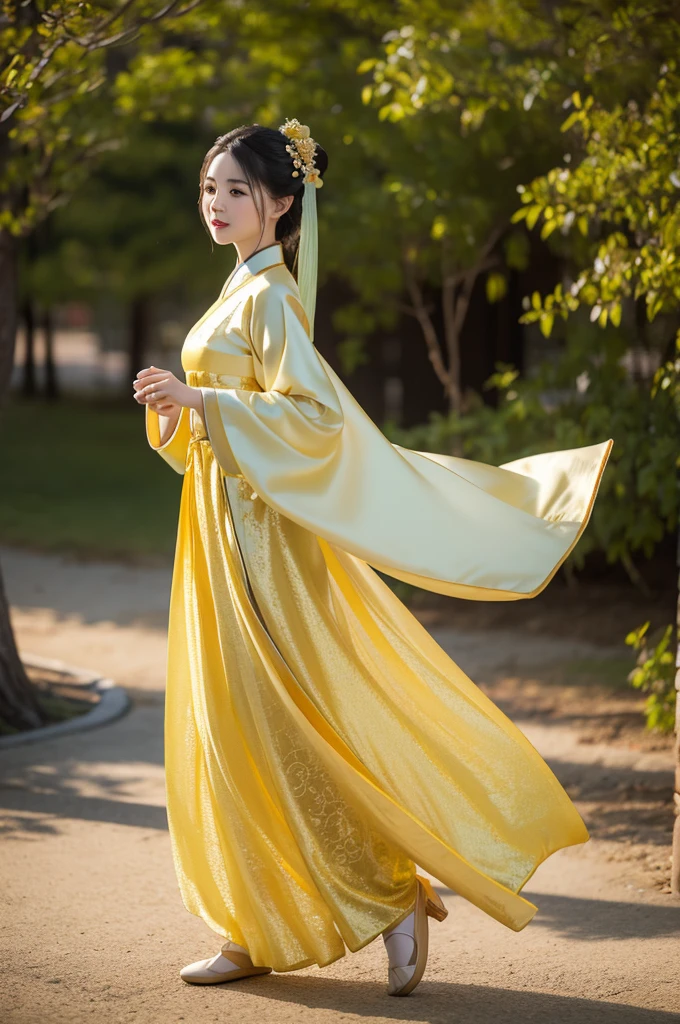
237, 191
209, 188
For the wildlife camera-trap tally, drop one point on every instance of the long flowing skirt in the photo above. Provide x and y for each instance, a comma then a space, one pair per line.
319, 744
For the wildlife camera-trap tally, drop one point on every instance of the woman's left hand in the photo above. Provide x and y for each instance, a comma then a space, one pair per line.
157, 387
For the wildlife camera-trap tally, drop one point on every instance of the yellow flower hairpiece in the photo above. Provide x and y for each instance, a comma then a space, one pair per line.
302, 148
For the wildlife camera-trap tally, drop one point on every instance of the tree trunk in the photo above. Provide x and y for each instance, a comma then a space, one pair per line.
51, 382
452, 327
139, 332
420, 311
8, 308
457, 288
675, 856
18, 705
28, 386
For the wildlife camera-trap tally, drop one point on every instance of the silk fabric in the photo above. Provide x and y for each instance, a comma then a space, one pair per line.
319, 743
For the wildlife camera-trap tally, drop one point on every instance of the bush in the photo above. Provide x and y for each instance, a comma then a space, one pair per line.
654, 675
583, 398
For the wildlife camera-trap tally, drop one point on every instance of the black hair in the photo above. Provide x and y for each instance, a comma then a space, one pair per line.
261, 155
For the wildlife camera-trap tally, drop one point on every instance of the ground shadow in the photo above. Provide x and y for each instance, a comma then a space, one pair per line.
440, 1003
592, 920
42, 783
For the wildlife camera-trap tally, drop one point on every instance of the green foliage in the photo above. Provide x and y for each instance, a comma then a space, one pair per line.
654, 675
624, 192
132, 230
465, 60
56, 85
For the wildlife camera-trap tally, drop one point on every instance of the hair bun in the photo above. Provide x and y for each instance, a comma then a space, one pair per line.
321, 159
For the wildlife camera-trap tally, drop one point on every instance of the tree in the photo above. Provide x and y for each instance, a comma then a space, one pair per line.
611, 203
623, 195
132, 234
55, 123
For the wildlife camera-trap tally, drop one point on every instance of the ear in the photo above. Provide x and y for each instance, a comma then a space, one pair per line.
282, 205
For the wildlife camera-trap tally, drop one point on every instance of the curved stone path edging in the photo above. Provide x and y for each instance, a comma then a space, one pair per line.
113, 702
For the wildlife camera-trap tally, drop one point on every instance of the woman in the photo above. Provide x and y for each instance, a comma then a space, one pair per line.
319, 743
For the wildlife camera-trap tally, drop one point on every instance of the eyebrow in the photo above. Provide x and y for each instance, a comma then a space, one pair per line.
235, 181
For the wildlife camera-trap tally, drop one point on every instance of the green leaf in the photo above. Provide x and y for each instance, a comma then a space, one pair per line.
635, 637
439, 227
533, 213
571, 121
546, 324
548, 228
496, 287
519, 215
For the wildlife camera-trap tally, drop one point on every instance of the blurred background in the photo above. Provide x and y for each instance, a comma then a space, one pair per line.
499, 267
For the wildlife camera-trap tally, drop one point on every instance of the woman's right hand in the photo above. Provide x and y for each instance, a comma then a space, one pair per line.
163, 408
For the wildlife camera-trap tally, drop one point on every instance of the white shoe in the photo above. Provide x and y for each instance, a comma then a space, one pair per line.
203, 972
403, 978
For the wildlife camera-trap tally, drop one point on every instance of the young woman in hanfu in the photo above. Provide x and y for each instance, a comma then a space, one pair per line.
319, 744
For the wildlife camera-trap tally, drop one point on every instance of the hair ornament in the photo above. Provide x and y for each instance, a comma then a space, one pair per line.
302, 149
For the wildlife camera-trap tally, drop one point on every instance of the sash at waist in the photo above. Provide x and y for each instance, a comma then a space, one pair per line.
205, 379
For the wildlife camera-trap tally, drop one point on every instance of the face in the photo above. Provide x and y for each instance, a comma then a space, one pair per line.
229, 208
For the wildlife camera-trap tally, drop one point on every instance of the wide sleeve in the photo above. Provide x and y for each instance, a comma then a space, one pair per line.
283, 439
174, 450
450, 525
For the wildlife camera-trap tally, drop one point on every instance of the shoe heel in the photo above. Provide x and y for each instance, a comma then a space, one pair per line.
433, 901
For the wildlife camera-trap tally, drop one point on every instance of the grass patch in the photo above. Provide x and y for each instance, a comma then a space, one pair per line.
80, 478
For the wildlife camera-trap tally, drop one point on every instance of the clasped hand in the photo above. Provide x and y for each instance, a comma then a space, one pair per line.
164, 393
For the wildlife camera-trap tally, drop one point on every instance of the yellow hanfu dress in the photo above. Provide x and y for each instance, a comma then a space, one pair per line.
318, 742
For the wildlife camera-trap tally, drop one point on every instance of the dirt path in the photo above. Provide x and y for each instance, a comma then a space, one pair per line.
92, 923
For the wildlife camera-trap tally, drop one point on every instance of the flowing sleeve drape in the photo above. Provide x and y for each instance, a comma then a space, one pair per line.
453, 526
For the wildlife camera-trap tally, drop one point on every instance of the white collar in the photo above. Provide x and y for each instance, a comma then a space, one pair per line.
263, 259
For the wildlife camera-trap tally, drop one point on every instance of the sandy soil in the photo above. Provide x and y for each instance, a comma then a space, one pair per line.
92, 925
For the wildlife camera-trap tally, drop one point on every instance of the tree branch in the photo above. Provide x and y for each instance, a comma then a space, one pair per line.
456, 293
421, 313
